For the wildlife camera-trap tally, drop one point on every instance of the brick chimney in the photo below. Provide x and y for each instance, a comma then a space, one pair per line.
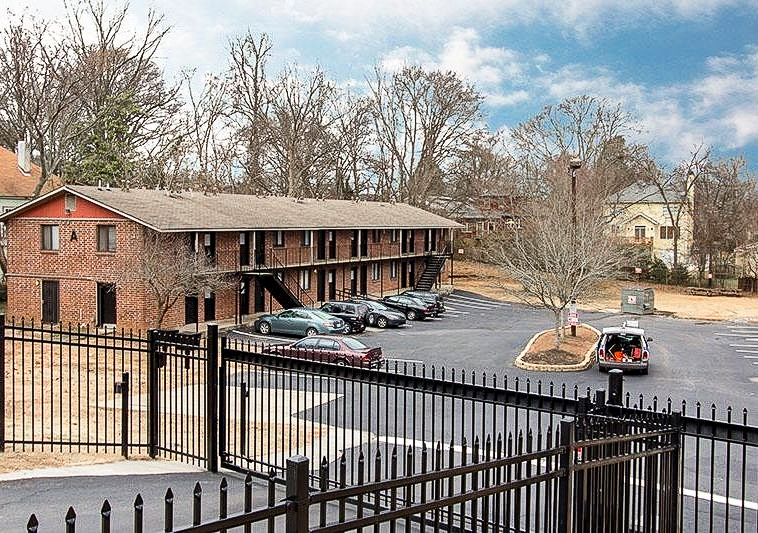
23, 152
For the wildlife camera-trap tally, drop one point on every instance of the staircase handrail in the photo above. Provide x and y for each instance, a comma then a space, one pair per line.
297, 291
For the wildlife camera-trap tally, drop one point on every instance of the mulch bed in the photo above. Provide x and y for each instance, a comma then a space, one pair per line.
570, 352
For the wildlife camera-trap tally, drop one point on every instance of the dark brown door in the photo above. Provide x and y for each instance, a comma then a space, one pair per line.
364, 242
209, 308
403, 274
50, 302
190, 309
106, 304
321, 286
354, 281
244, 248
260, 248
364, 279
332, 244
321, 245
260, 297
412, 273
354, 243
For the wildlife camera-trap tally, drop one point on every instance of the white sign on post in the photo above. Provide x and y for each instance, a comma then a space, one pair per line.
573, 317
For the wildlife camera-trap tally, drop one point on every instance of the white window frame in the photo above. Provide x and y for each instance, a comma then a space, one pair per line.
279, 238
376, 271
393, 269
111, 244
54, 237
305, 279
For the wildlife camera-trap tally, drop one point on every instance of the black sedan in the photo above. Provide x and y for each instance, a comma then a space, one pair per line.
412, 308
380, 315
428, 297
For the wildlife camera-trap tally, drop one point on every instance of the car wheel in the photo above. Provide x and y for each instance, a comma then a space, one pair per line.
264, 328
348, 329
602, 368
381, 322
310, 332
410, 314
371, 319
644, 371
340, 362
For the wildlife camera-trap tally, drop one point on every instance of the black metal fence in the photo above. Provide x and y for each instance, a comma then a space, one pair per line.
177, 396
570, 481
275, 407
72, 389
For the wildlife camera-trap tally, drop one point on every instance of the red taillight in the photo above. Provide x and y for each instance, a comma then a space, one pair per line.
645, 355
601, 353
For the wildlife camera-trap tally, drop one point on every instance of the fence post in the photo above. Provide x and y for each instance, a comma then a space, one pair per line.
615, 387
676, 464
211, 402
297, 494
125, 415
566, 482
152, 396
2, 382
222, 403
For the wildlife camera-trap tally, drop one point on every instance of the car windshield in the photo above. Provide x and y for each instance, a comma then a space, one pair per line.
354, 344
376, 306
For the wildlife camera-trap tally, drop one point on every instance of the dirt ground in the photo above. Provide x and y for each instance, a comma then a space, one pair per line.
489, 281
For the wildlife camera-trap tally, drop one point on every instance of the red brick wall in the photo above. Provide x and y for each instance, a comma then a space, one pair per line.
79, 267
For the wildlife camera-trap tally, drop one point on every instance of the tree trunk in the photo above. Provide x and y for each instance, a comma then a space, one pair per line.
557, 313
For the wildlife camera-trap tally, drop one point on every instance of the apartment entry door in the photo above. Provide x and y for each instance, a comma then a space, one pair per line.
50, 300
106, 304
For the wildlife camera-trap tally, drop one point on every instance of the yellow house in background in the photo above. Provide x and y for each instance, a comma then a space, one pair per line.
641, 215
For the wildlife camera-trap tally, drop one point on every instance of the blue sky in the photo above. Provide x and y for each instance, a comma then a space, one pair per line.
687, 70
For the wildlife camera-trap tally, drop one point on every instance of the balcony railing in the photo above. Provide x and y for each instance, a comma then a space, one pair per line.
278, 257
646, 241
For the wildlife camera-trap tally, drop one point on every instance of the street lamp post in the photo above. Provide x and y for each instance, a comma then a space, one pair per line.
574, 164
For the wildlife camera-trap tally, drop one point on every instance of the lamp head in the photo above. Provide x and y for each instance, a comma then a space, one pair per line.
575, 163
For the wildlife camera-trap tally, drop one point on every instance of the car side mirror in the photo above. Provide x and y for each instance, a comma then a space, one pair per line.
649, 339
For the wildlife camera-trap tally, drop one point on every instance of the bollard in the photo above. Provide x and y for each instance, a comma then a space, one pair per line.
615, 386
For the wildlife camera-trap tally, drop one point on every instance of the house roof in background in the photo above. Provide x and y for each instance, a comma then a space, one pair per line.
17, 184
645, 193
196, 211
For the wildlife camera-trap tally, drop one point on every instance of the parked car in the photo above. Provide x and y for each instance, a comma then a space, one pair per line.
299, 321
624, 347
428, 297
329, 349
412, 308
380, 315
354, 314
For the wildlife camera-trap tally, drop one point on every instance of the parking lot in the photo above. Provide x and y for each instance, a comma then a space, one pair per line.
691, 361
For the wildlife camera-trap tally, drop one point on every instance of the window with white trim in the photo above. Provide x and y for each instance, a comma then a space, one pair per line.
393, 269
279, 238
305, 279
50, 237
106, 238
376, 271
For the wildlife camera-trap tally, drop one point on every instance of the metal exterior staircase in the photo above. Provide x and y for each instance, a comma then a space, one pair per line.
434, 264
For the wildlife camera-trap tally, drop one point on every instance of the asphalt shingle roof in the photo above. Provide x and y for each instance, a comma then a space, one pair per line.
194, 211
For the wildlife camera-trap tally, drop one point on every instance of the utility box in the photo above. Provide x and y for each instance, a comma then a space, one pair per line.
638, 300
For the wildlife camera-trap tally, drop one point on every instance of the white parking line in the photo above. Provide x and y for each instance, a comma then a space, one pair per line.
744, 345
750, 356
261, 337
461, 297
734, 334
747, 351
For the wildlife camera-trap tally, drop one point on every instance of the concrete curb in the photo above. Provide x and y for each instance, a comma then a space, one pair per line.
587, 361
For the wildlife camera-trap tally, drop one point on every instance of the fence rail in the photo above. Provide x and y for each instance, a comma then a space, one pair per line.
76, 389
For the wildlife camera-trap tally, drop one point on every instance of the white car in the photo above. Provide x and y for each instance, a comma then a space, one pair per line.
624, 347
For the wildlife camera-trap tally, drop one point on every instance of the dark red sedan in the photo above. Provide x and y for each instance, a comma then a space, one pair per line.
331, 349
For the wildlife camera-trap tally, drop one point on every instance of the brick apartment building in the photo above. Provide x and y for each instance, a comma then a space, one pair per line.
68, 248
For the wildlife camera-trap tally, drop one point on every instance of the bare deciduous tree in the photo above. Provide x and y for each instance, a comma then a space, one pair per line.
552, 259
170, 269
422, 121
724, 195
37, 79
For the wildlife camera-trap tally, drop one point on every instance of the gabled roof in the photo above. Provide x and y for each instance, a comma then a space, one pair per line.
645, 216
17, 184
196, 211
645, 193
